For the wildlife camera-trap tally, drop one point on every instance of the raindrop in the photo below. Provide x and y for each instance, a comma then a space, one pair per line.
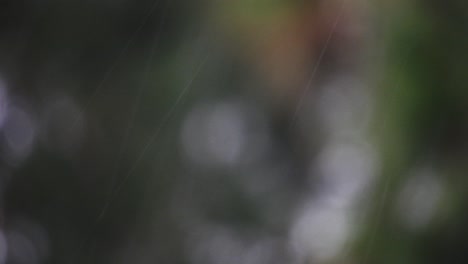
225, 133
216, 246
419, 198
21, 250
35, 233
344, 107
320, 232
19, 133
346, 169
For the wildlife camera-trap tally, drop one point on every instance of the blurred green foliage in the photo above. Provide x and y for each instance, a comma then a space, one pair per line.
137, 69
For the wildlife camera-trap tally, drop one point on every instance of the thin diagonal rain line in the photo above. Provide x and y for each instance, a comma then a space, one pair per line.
129, 126
113, 195
162, 124
106, 76
167, 116
383, 199
137, 101
317, 65
120, 55
152, 139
